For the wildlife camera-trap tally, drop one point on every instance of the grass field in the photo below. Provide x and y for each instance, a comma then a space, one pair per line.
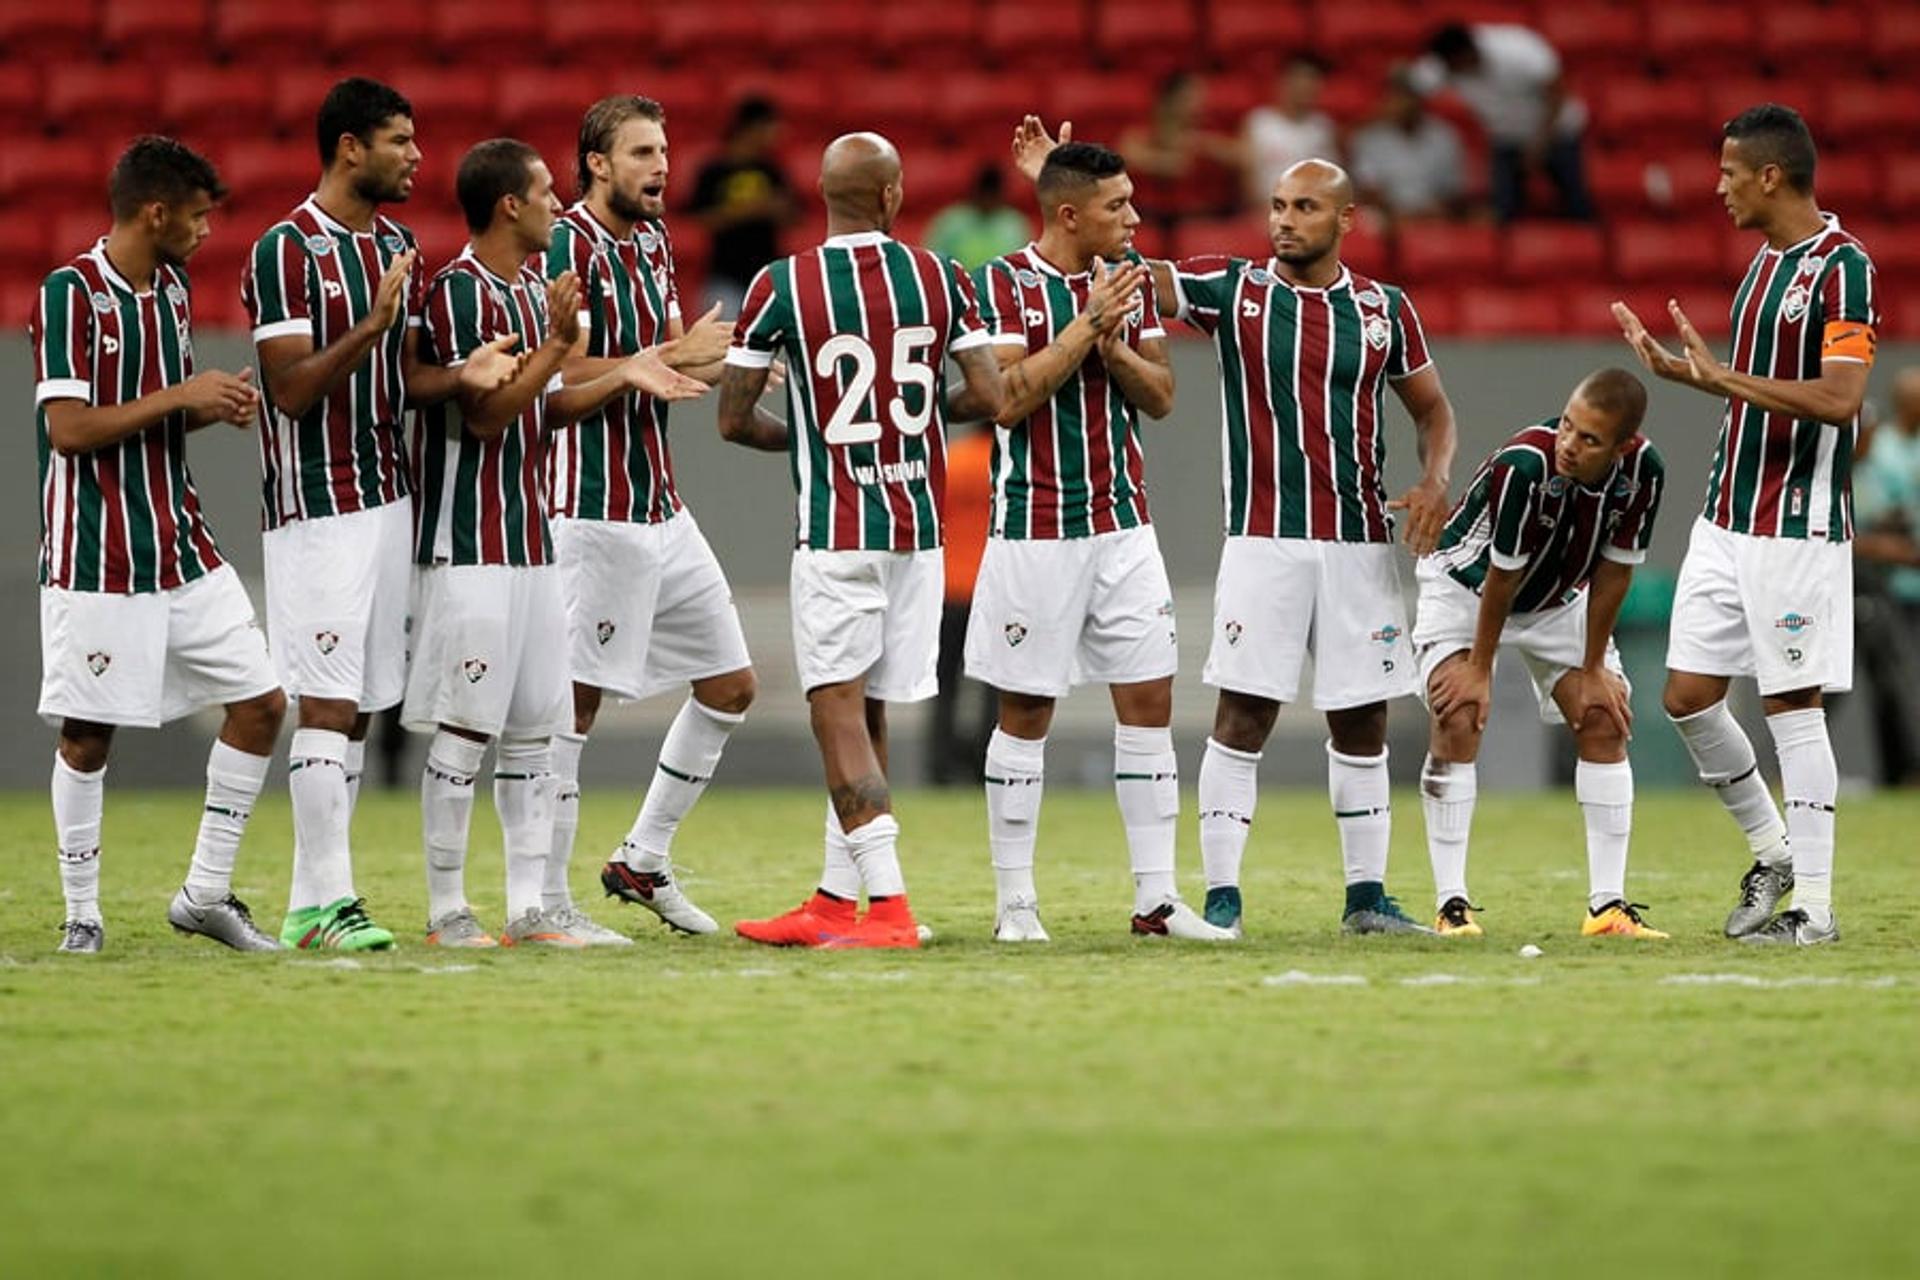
1303, 1104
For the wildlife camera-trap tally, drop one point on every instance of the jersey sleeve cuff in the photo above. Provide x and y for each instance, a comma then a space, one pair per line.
748, 358
1623, 555
1009, 340
63, 389
1501, 560
1423, 366
971, 339
556, 384
282, 329
1156, 330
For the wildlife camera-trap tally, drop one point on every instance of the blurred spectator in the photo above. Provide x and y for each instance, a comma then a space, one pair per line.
983, 226
1289, 129
1409, 161
1886, 508
1510, 76
958, 752
1178, 169
743, 198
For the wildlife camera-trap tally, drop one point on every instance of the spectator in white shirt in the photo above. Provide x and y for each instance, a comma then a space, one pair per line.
1288, 130
1410, 162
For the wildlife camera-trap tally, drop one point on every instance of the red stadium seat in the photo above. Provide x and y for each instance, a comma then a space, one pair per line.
1694, 40
141, 31
582, 35
832, 34
1439, 308
1804, 40
1549, 252
1262, 34
1623, 183
357, 30
269, 31
1868, 115
1101, 104
1493, 312
721, 36
1850, 185
896, 103
1365, 249
984, 106
1642, 113
488, 33
91, 98
1662, 253
1147, 35
40, 176
936, 177
1363, 40
447, 98
19, 295
1029, 36
215, 101
297, 94
1892, 247
1893, 38
539, 99
806, 102
215, 271
439, 234
1597, 40
1447, 251
1243, 235
934, 32
1902, 195
37, 31
270, 173
20, 99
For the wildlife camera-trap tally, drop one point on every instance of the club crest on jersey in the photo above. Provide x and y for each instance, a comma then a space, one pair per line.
326, 641
394, 243
1015, 632
98, 661
1792, 622
1233, 632
319, 246
1028, 278
473, 669
176, 294
1378, 332
1794, 304
101, 303
603, 630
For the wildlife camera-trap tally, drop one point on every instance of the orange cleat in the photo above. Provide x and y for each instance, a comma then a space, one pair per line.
819, 921
889, 923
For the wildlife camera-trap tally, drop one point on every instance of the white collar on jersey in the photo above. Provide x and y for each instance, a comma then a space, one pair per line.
468, 255
601, 230
1830, 221
1342, 281
99, 254
312, 205
855, 239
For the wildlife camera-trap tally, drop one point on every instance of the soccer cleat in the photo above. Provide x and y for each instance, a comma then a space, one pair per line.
1760, 892
342, 925
656, 891
1019, 921
814, 923
1382, 915
1175, 919
227, 921
1455, 920
82, 937
1222, 909
536, 928
459, 928
587, 929
888, 924
1619, 919
1793, 928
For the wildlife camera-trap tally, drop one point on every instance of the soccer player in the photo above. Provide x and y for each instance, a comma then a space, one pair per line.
1766, 589
334, 292
1535, 560
488, 618
142, 621
866, 324
648, 607
1072, 587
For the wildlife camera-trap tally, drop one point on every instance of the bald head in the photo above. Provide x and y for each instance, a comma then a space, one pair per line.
1906, 398
857, 173
1312, 209
1322, 179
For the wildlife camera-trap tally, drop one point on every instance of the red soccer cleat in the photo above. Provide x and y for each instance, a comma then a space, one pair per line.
817, 922
889, 923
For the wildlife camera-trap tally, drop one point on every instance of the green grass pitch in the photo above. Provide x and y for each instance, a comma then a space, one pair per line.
1304, 1104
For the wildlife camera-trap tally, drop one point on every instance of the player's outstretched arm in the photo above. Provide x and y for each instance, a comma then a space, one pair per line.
1469, 683
1437, 438
1145, 377
983, 393
1033, 378
1835, 396
743, 420
74, 426
298, 376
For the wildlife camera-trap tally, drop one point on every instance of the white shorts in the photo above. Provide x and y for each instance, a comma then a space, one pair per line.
337, 591
868, 613
1777, 609
1551, 642
1048, 615
648, 608
489, 651
143, 660
1278, 599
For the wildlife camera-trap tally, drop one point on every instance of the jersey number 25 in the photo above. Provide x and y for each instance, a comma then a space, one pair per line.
911, 346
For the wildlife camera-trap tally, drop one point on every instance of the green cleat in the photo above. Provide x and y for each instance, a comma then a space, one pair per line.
1370, 909
338, 926
1223, 908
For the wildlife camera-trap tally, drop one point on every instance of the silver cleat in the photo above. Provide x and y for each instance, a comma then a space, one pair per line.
1761, 890
1793, 929
459, 928
587, 929
82, 938
227, 922
1020, 922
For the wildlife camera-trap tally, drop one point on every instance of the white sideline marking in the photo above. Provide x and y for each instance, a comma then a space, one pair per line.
343, 962
1300, 978
1879, 982
446, 968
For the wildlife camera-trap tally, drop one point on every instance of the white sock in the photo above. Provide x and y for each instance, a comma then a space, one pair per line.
78, 801
446, 816
1724, 758
688, 758
317, 782
1605, 793
1447, 793
874, 850
523, 789
1146, 782
839, 876
234, 779
554, 893
1811, 784
1362, 810
353, 766
1016, 780
1229, 789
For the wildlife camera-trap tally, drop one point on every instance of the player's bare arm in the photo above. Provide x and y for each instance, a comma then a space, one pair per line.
743, 420
299, 377
1464, 682
1835, 396
488, 413
1145, 377
1598, 689
1033, 378
983, 392
1436, 439
74, 426
487, 368
1166, 293
697, 351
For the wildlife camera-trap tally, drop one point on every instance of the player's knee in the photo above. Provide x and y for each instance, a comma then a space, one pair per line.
1457, 737
1679, 701
84, 745
1359, 731
732, 693
1600, 739
261, 717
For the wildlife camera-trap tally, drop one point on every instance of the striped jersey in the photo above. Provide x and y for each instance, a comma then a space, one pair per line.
123, 518
481, 501
1774, 475
313, 276
866, 324
614, 463
1303, 378
1074, 468
1521, 513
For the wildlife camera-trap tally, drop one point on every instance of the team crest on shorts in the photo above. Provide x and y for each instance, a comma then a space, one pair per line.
1233, 631
603, 630
473, 669
326, 641
98, 661
1016, 632
1378, 332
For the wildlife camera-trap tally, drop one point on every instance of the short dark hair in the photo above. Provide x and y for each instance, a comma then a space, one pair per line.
1451, 41
357, 106
1071, 168
164, 169
1776, 135
491, 169
1620, 396
603, 121
754, 109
